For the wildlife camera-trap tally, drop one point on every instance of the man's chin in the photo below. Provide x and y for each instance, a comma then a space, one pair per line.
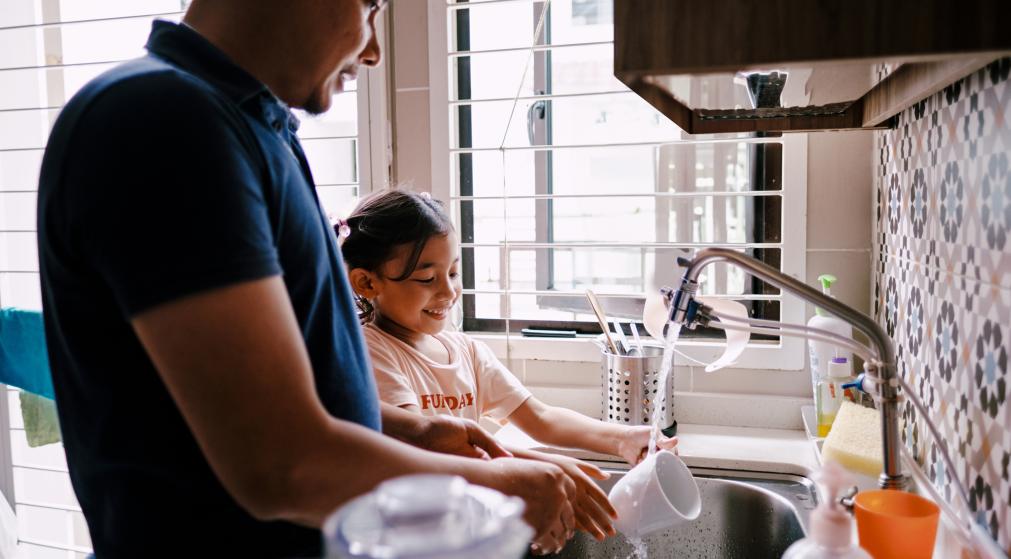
317, 106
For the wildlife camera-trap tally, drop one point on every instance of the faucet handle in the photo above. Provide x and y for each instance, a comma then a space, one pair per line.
846, 499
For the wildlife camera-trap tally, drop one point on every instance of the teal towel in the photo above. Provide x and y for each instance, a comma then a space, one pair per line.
41, 424
24, 362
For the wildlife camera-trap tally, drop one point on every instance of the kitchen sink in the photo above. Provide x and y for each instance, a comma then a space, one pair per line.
744, 515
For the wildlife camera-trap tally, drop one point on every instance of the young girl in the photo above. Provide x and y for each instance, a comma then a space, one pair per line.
403, 261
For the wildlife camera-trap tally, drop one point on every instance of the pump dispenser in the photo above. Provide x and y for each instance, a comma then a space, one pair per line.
831, 526
822, 353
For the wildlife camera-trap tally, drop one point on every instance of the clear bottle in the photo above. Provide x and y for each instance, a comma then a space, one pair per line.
829, 393
820, 353
831, 535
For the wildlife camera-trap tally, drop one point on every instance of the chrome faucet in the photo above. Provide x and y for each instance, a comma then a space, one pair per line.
879, 364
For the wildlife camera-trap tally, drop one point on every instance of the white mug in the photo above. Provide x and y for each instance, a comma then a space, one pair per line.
658, 493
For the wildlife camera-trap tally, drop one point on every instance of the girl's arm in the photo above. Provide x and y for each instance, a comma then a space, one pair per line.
562, 427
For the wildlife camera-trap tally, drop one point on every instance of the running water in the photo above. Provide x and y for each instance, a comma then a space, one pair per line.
639, 550
673, 332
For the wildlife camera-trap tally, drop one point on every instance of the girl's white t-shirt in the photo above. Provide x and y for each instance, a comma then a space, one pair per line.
474, 383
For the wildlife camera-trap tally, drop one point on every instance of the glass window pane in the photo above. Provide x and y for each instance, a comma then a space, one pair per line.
511, 24
573, 312
21, 89
104, 41
22, 47
600, 119
724, 220
19, 170
75, 10
337, 201
25, 129
332, 161
489, 223
18, 252
17, 211
21, 290
713, 190
580, 69
15, 13
743, 167
43, 524
614, 270
39, 486
340, 120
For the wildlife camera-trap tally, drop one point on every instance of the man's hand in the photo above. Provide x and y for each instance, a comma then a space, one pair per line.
634, 444
463, 437
548, 493
593, 511
441, 433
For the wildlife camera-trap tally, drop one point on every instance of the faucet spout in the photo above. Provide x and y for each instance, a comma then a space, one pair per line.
684, 310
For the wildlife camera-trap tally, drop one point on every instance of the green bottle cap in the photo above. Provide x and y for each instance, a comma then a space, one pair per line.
826, 287
826, 281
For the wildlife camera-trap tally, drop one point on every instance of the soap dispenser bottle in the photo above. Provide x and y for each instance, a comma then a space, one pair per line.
831, 392
821, 353
831, 535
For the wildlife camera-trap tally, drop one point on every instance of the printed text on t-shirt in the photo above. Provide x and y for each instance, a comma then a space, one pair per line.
444, 401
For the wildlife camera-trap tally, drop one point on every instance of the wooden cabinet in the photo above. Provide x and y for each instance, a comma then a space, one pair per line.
810, 64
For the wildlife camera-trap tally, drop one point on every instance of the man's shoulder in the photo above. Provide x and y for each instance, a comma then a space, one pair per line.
143, 88
139, 105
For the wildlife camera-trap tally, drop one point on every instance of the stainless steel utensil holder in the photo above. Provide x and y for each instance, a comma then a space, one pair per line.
631, 388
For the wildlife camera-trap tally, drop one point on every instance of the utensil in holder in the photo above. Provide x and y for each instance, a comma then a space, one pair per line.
631, 389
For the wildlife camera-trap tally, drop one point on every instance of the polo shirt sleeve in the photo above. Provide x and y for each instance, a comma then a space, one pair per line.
168, 193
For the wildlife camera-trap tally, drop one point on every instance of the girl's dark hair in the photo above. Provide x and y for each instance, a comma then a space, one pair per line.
384, 221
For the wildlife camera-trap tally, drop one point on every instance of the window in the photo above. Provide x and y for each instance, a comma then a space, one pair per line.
581, 184
50, 48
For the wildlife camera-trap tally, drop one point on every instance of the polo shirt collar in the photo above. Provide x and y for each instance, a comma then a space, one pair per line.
183, 46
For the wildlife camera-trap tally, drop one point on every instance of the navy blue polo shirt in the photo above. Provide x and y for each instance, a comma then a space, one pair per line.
174, 174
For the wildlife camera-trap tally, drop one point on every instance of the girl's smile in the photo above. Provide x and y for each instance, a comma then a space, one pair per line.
420, 304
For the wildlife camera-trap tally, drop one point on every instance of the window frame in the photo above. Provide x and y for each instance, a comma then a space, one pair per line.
787, 355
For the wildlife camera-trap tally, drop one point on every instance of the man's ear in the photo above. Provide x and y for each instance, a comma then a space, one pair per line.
364, 282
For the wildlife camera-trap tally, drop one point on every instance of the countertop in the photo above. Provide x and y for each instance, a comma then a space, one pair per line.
784, 451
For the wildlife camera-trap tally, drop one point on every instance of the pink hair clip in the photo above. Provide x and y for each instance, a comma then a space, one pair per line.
343, 229
425, 195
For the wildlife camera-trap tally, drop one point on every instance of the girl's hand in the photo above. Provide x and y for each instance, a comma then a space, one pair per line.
634, 444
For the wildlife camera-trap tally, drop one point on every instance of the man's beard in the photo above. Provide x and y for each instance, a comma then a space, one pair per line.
314, 106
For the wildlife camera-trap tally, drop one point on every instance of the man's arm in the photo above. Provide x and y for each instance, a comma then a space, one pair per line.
440, 433
235, 363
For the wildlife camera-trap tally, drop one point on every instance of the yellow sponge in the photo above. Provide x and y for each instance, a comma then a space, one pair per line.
855, 440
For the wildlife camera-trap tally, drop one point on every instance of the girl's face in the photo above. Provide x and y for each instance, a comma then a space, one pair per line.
421, 303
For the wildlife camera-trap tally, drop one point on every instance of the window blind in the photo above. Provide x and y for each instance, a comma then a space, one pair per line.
562, 179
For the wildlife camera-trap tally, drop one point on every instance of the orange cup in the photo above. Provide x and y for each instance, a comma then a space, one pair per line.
894, 524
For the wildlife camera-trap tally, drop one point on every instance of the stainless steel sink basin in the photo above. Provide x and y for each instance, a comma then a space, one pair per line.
744, 515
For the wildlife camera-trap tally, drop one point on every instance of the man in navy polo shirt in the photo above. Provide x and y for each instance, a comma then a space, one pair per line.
213, 390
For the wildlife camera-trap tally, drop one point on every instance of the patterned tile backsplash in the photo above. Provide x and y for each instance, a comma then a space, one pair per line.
942, 281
